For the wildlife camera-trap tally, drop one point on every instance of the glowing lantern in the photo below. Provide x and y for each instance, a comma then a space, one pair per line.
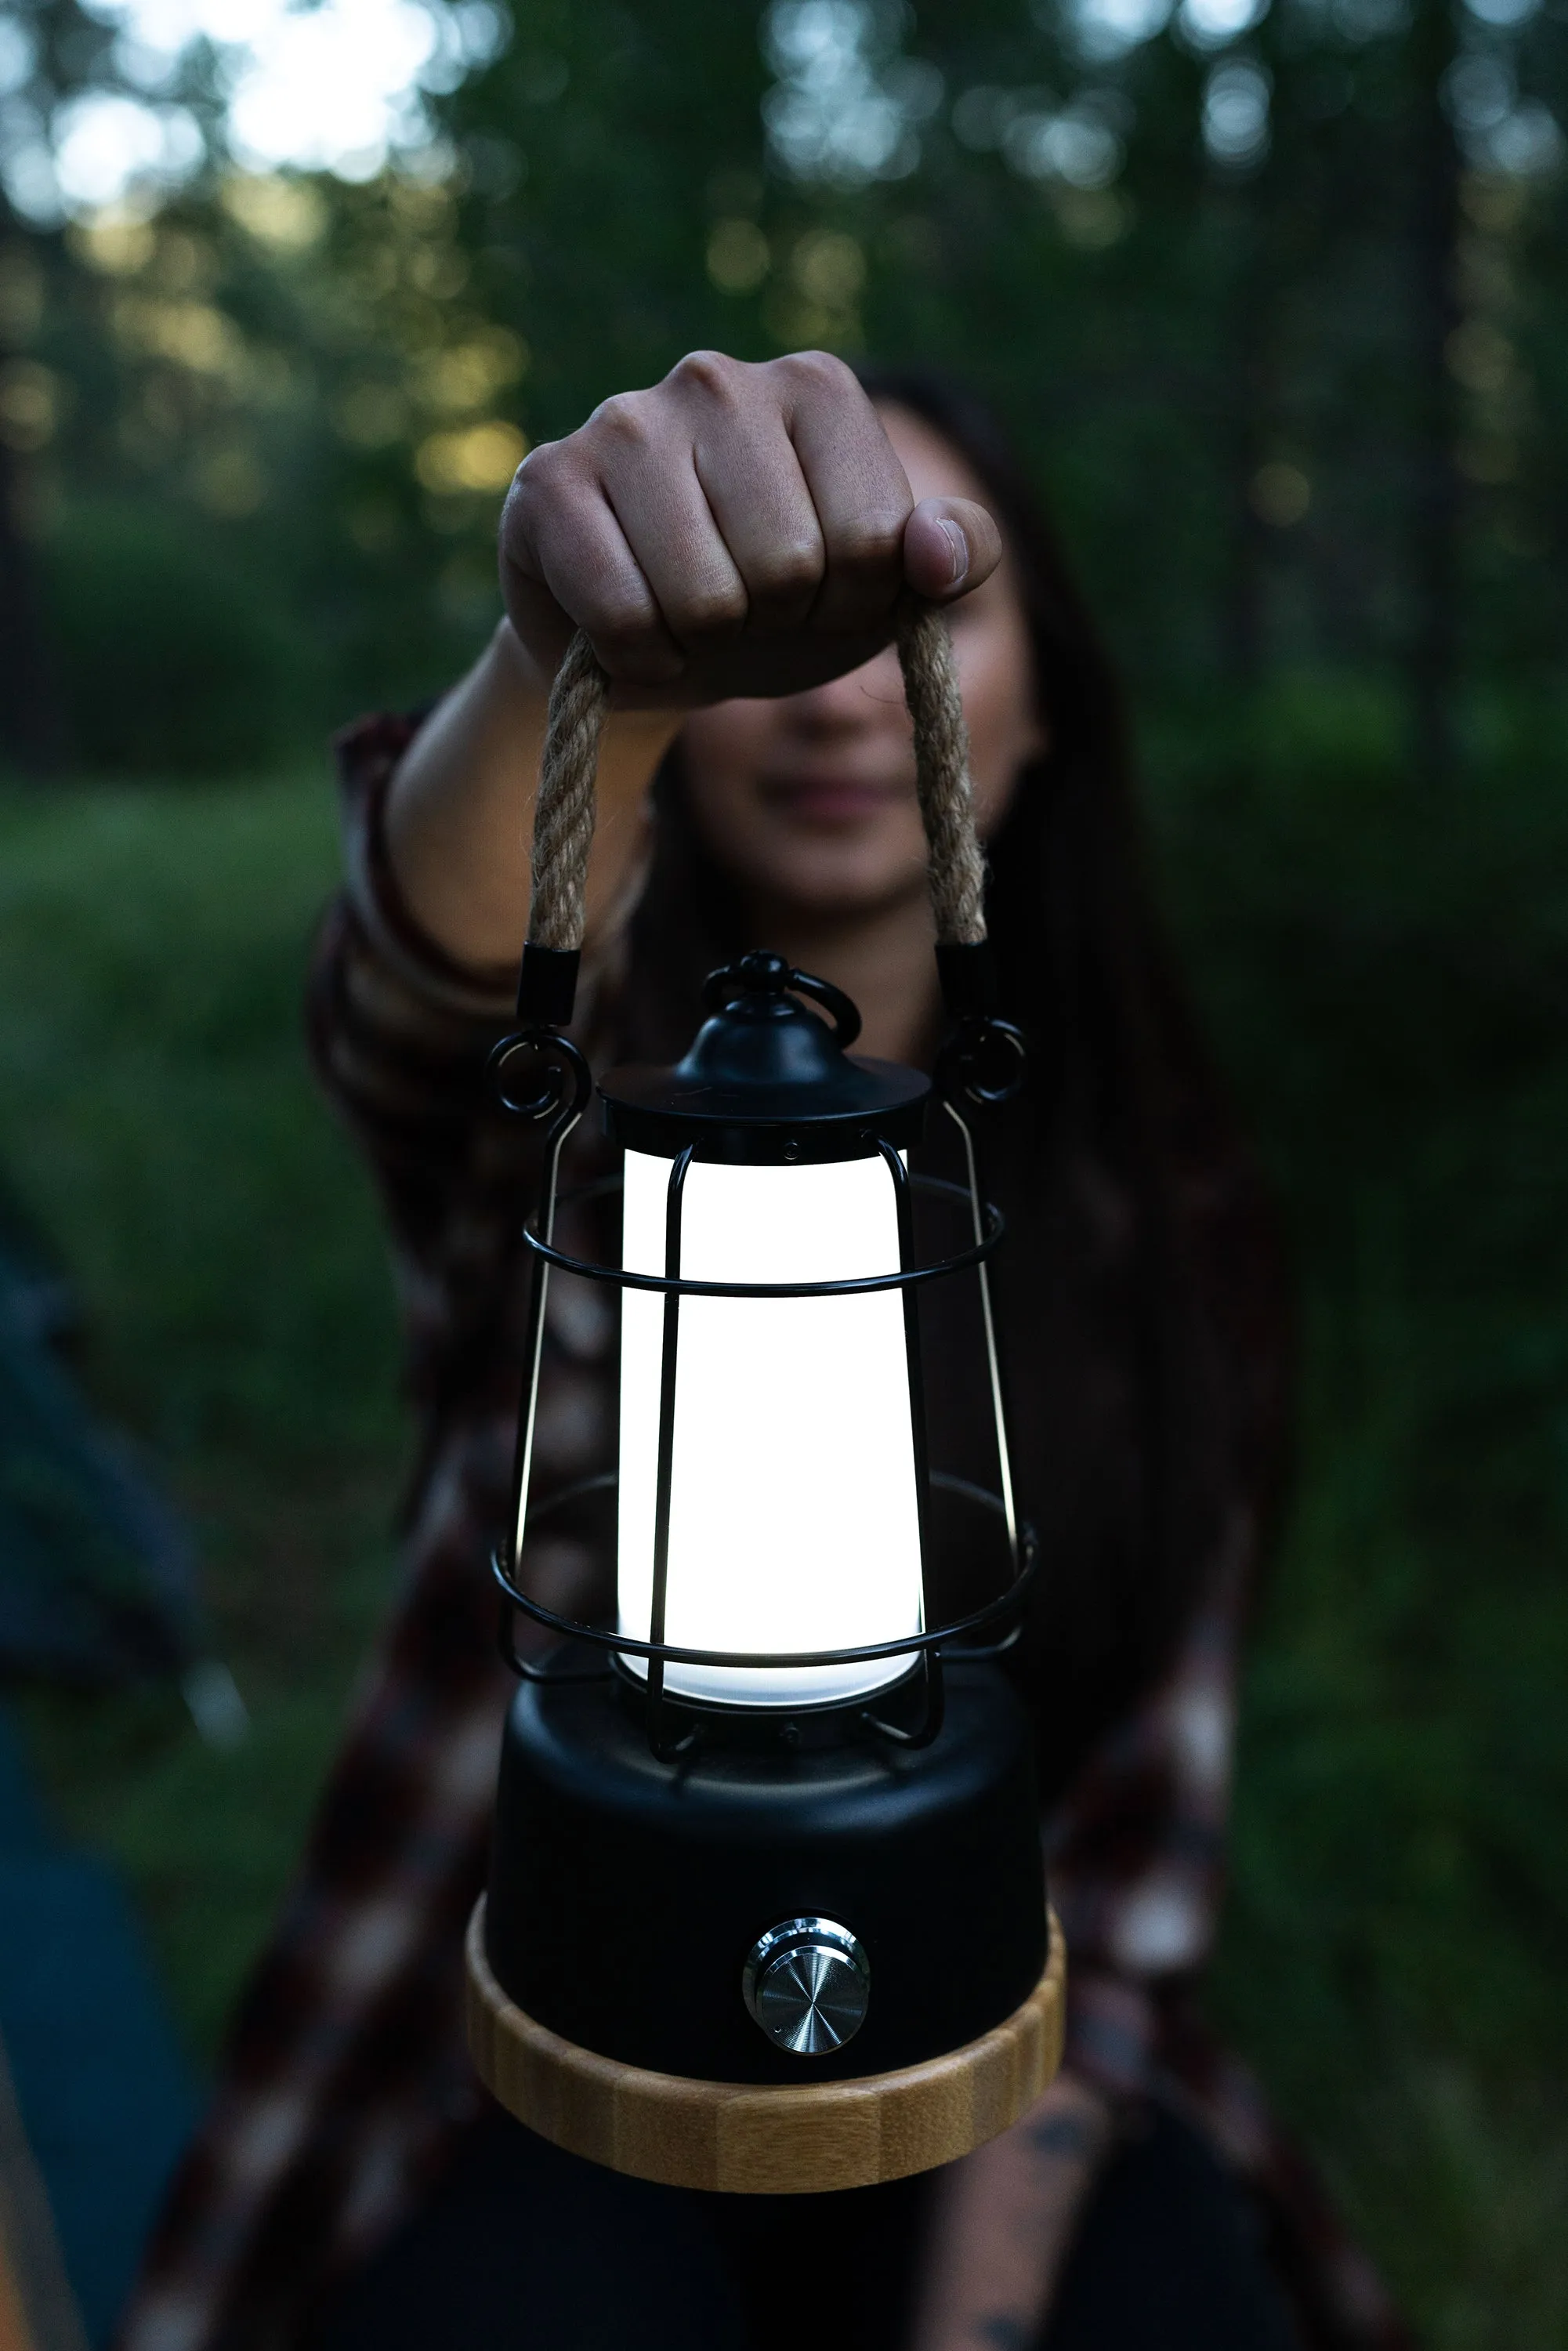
766, 1906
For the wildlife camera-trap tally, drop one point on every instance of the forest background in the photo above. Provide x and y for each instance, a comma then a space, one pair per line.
1266, 294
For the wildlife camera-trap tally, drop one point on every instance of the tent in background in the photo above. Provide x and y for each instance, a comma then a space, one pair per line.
96, 1574
97, 1588
96, 2098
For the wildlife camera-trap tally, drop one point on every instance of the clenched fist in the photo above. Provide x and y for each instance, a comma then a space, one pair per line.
737, 530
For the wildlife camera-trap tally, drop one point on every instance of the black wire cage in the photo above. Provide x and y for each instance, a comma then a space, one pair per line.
785, 1124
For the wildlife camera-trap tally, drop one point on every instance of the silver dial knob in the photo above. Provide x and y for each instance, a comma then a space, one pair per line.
807, 1983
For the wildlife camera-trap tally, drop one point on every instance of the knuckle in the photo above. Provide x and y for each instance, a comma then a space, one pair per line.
711, 609
545, 475
792, 573
529, 477
617, 614
869, 544
712, 372
621, 420
818, 372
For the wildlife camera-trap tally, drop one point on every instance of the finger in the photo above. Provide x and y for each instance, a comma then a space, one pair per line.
950, 544
729, 417
565, 542
669, 525
535, 618
859, 488
760, 500
532, 610
753, 483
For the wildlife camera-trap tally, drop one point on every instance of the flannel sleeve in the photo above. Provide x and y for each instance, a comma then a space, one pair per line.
400, 1035
1135, 1851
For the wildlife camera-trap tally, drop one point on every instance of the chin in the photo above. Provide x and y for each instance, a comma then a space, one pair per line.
842, 866
826, 886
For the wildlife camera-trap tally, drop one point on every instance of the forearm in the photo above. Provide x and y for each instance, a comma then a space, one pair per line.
1004, 2221
460, 810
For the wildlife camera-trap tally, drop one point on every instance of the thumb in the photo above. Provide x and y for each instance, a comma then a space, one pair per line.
950, 544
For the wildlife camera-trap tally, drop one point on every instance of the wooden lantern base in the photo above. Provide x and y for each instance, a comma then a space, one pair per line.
749, 2141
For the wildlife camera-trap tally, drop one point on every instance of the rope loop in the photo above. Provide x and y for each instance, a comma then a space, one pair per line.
564, 811
954, 859
564, 814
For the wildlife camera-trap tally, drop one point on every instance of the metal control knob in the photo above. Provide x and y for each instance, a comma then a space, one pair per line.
807, 1983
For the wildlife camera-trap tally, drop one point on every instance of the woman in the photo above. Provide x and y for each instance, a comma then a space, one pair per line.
735, 542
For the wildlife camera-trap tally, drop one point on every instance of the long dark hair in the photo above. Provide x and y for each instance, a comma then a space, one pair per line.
1146, 1332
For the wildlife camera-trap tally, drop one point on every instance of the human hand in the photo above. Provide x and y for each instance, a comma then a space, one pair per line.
736, 531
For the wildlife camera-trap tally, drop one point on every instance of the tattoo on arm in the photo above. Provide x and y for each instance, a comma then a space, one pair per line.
1004, 2332
1066, 2137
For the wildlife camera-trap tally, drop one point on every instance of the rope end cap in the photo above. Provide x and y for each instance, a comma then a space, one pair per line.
968, 971
547, 989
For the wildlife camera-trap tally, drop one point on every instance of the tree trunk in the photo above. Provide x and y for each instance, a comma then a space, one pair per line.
1434, 515
31, 730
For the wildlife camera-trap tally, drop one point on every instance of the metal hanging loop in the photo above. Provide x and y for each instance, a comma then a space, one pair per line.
756, 970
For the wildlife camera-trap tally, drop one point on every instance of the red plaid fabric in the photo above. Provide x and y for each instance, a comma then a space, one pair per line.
346, 2084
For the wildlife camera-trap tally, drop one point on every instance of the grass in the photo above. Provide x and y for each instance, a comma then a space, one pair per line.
158, 1114
1387, 977
1386, 980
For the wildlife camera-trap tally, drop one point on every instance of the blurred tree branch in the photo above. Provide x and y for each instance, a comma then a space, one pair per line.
1436, 635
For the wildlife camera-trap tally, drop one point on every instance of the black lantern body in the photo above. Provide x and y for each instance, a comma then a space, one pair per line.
807, 1860
629, 1892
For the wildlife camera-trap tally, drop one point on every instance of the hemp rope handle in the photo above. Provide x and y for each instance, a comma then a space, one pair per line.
564, 817
955, 862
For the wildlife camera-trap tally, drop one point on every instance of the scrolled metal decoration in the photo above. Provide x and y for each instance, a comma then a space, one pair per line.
565, 1078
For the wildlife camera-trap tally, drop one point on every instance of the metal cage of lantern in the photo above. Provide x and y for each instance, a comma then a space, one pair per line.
982, 1063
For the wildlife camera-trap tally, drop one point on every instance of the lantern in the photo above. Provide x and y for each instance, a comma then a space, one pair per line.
765, 1909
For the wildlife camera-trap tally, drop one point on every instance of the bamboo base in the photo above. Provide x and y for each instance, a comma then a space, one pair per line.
749, 2141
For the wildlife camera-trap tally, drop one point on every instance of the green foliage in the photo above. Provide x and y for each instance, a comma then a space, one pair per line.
628, 126
1249, 387
172, 656
1299, 409
158, 1115
1385, 977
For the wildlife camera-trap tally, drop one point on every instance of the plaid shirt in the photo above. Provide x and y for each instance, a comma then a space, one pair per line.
346, 2081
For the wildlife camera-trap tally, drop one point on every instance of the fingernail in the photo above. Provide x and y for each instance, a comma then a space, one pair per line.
960, 546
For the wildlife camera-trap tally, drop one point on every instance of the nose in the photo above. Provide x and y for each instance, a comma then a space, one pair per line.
863, 700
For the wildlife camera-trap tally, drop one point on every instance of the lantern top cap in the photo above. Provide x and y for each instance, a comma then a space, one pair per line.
767, 1080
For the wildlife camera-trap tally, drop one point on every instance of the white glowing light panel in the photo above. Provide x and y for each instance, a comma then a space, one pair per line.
793, 1520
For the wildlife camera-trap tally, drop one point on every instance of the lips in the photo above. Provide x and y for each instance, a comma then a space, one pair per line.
830, 799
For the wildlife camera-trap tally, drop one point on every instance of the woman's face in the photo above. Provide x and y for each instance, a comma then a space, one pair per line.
808, 801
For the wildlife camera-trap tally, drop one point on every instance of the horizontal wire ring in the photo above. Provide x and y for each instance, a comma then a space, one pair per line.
906, 1644
860, 1285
